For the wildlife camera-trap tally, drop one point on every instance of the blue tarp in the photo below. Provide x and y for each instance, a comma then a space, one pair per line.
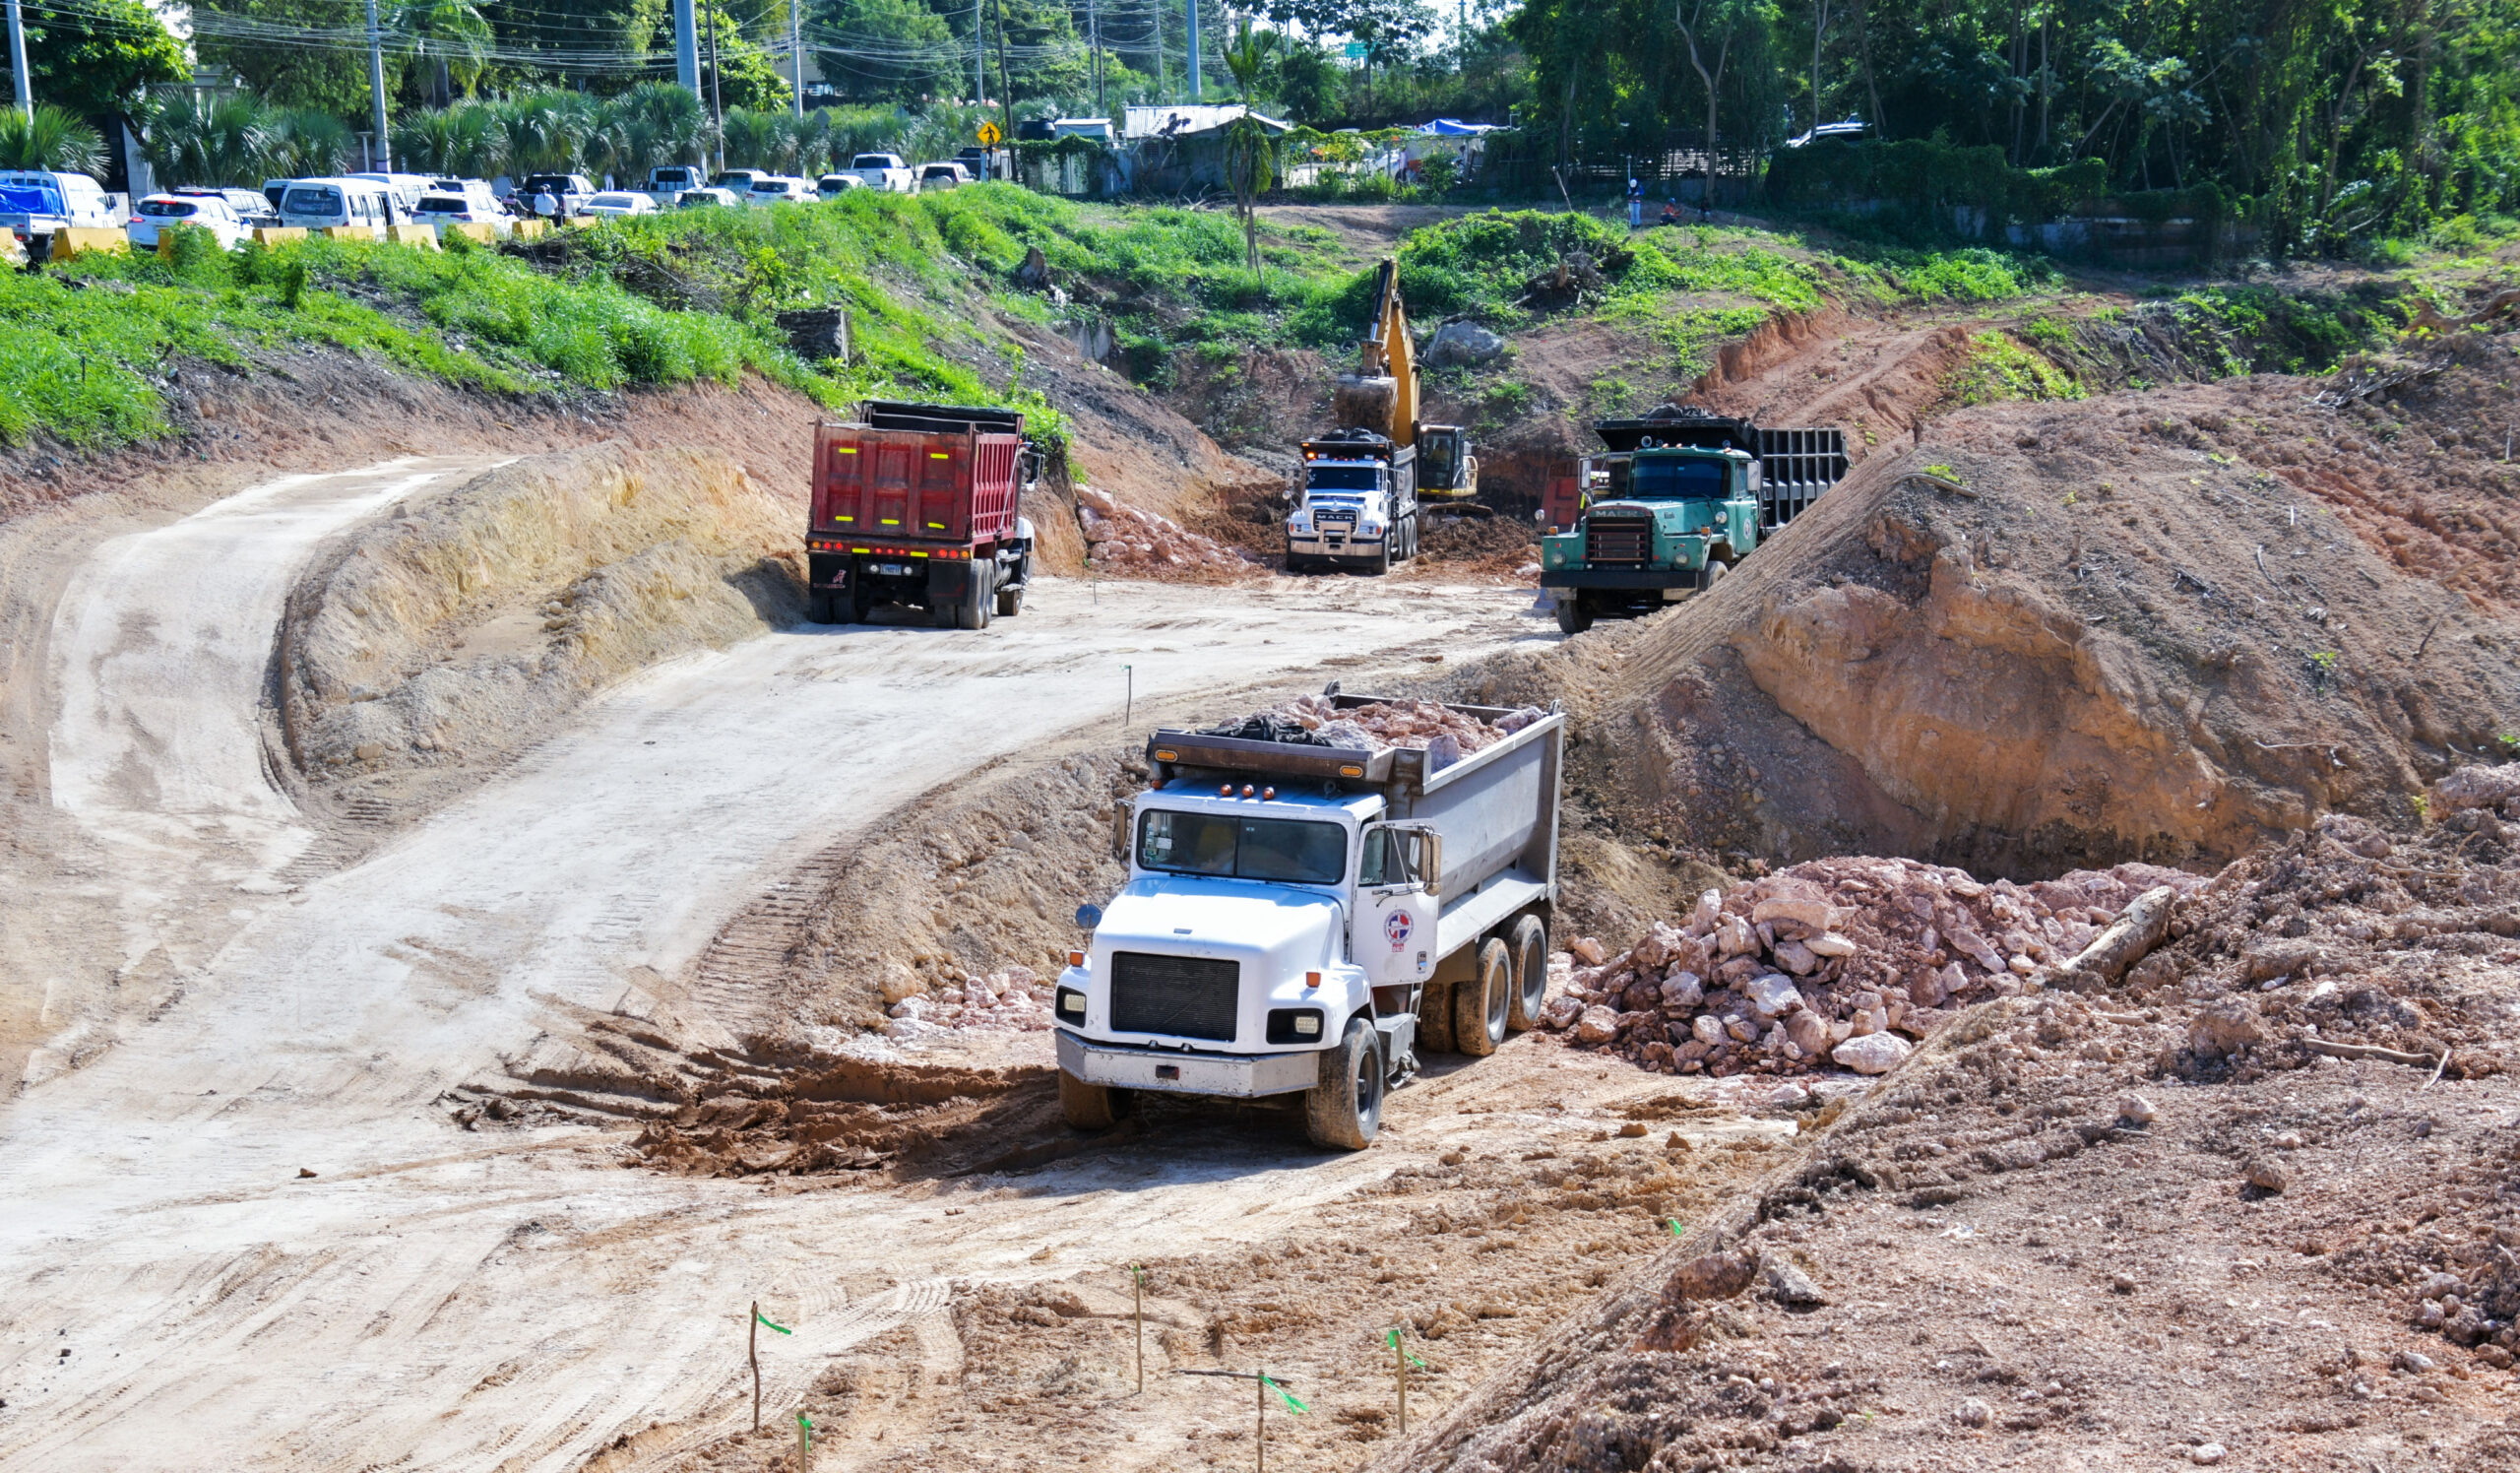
1449, 127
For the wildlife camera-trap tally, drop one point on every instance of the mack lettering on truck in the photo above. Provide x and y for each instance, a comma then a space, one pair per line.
1225, 844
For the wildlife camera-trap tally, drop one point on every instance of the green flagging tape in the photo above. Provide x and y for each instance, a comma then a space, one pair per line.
764, 1319
1675, 1226
1391, 1338
1285, 1395
805, 1427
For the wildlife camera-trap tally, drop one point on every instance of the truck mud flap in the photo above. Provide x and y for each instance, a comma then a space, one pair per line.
1241, 1077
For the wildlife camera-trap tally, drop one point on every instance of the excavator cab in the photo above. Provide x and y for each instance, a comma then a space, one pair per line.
1445, 467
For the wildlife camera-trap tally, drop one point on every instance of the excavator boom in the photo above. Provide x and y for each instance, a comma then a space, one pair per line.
1382, 393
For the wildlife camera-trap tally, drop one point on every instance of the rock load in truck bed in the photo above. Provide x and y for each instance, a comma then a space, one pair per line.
1444, 734
1830, 962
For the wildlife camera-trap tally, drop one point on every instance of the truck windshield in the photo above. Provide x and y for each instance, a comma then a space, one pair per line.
1282, 849
1677, 479
1344, 477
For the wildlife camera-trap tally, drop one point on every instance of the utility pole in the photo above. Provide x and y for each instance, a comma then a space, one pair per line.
797, 49
686, 48
1193, 17
1005, 89
979, 57
18, 60
716, 107
1094, 36
375, 80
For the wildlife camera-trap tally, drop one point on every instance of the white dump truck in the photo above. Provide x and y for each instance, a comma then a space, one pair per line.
1304, 919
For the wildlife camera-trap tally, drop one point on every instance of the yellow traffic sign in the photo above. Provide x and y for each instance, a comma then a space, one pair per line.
991, 135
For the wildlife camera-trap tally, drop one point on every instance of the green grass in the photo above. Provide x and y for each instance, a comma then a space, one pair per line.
2000, 367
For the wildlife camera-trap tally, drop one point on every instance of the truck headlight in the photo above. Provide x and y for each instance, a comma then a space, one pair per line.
1299, 522
1295, 1025
1070, 1004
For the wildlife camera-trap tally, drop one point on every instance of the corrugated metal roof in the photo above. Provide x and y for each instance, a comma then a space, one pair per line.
1183, 119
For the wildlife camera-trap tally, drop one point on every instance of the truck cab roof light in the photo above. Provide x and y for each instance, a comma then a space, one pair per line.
1268, 792
1225, 792
1247, 789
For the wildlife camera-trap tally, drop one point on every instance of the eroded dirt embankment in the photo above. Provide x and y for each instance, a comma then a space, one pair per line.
443, 638
2125, 628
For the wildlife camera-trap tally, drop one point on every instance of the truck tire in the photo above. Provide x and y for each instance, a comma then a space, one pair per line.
824, 607
1530, 946
861, 600
1091, 1107
1572, 616
1714, 575
1435, 1018
1010, 600
1344, 1108
1381, 563
979, 596
1480, 1005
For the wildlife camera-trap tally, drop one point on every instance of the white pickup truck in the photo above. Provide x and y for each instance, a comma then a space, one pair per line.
1302, 918
884, 171
35, 203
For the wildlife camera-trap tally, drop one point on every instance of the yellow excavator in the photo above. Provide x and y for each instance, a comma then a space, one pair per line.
1363, 481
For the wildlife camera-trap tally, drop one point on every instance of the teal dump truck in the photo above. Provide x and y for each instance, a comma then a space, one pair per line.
1677, 497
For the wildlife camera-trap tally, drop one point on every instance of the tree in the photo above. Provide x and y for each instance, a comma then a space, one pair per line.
97, 59
903, 51
448, 41
1251, 146
224, 138
1710, 26
329, 78
53, 139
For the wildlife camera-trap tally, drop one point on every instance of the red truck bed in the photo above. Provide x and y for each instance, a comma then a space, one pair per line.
920, 504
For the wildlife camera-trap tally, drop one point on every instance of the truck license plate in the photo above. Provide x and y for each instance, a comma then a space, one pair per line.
892, 569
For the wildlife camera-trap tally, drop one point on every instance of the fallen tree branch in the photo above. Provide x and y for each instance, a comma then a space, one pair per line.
2374, 1051
1941, 483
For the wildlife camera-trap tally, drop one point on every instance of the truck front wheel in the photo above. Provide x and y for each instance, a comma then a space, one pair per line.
1091, 1107
1010, 599
1480, 1005
1530, 945
1344, 1108
1572, 616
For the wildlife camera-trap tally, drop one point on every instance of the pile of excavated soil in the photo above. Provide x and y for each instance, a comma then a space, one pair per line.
1130, 541
1828, 962
453, 634
2196, 1217
2124, 629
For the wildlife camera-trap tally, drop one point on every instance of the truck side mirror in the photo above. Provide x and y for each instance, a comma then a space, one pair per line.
1430, 860
1088, 917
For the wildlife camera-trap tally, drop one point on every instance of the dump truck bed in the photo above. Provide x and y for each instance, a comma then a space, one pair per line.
917, 474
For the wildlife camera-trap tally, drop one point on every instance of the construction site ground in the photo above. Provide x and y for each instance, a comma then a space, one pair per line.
450, 1103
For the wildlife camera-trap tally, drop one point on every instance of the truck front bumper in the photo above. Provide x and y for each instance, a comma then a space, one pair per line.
1626, 579
1241, 1077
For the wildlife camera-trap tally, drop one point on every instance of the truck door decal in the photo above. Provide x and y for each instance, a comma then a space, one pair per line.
1396, 928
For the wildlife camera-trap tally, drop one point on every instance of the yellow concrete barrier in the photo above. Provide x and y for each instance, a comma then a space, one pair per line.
13, 251
418, 236
278, 234
351, 232
581, 221
476, 230
533, 230
71, 242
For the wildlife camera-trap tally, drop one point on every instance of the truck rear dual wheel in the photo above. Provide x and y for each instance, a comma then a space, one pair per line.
827, 605
1091, 1107
1344, 1111
1435, 1018
1481, 1005
972, 611
1529, 943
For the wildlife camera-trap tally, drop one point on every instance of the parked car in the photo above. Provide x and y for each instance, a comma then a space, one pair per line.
615, 203
321, 204
884, 171
442, 210
944, 175
976, 162
208, 210
250, 206
667, 182
832, 186
572, 191
273, 189
477, 191
783, 189
712, 198
738, 181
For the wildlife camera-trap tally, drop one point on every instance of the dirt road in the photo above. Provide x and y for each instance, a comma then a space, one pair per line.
248, 1222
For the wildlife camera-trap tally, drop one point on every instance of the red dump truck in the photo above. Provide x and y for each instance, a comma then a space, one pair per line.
921, 504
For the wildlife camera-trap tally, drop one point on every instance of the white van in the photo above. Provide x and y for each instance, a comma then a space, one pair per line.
317, 204
405, 189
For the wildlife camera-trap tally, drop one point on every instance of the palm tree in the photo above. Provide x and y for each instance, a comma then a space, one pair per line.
218, 140
53, 139
759, 140
449, 43
653, 123
1250, 147
307, 143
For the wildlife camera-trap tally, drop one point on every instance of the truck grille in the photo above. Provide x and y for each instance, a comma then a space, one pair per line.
1618, 540
1178, 997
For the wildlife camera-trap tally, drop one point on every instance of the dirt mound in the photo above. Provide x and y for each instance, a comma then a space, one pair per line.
1130, 541
452, 634
2060, 635
2137, 1223
1826, 963
855, 1115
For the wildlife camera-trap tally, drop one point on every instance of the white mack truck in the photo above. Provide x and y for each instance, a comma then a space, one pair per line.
1305, 919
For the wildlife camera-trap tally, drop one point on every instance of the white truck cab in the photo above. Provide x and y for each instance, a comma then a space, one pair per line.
887, 172
1358, 505
35, 203
1302, 918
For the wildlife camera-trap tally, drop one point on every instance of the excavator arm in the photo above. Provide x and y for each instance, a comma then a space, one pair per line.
1390, 353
